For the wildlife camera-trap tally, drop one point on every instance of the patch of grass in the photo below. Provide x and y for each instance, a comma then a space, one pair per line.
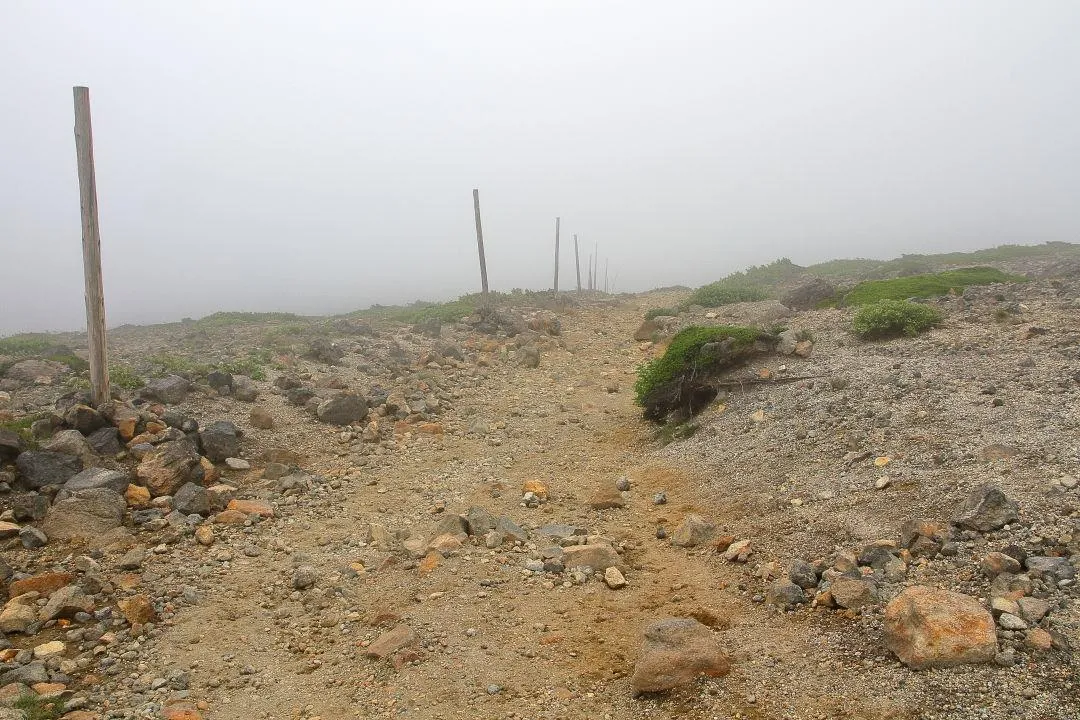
447, 312
757, 282
36, 707
225, 319
684, 356
670, 432
842, 269
26, 344
21, 426
719, 293
892, 318
926, 285
74, 362
660, 312
124, 376
167, 364
253, 365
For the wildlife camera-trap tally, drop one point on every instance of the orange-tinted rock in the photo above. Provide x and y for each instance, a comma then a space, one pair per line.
137, 609
137, 496
45, 583
210, 472
181, 711
1038, 639
390, 642
929, 627
536, 487
675, 652
230, 517
251, 507
431, 428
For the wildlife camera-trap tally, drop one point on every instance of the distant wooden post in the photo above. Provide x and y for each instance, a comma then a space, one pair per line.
556, 256
480, 241
588, 278
577, 264
605, 275
91, 242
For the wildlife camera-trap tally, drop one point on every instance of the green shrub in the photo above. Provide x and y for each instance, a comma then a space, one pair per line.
74, 362
684, 357
26, 344
719, 293
670, 432
226, 319
36, 707
660, 312
891, 318
926, 285
125, 377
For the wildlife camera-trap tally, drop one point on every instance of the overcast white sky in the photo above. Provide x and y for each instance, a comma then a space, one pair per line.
320, 156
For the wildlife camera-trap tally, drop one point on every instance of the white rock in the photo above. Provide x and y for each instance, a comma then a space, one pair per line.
237, 464
614, 578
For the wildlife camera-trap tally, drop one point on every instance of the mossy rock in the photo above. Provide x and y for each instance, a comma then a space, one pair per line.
683, 379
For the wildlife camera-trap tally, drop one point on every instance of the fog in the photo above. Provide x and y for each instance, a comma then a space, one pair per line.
319, 157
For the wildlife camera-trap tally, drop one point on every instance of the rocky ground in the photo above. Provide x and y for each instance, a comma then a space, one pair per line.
473, 521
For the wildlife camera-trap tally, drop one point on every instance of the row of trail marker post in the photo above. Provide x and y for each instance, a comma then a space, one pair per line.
592, 274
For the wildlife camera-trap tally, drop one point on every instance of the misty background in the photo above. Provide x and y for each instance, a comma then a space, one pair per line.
319, 157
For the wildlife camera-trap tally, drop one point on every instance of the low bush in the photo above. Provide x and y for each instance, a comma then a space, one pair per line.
892, 318
921, 286
660, 312
124, 376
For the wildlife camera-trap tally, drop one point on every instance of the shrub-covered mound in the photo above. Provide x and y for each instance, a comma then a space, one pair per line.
921, 286
683, 378
891, 318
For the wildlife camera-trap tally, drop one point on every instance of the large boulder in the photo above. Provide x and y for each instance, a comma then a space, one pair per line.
105, 441
598, 556
42, 372
97, 478
170, 389
39, 468
71, 442
343, 410
86, 515
84, 418
220, 440
987, 508
244, 389
192, 499
675, 652
325, 351
168, 467
809, 295
11, 444
928, 627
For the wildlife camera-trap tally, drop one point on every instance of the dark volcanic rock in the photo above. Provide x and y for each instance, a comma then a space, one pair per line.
987, 508
220, 440
39, 468
170, 389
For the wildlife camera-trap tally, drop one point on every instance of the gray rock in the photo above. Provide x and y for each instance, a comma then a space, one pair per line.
244, 389
809, 295
1033, 609
1056, 568
877, 556
171, 389
304, 577
31, 674
219, 379
479, 521
287, 381
192, 499
451, 525
342, 410
511, 530
853, 593
220, 440
529, 356
39, 468
45, 372
785, 594
166, 468
803, 574
28, 508
694, 530
1011, 622
133, 559
84, 418
985, 509
429, 327
11, 444
71, 442
97, 478
324, 351
105, 441
66, 602
32, 538
88, 514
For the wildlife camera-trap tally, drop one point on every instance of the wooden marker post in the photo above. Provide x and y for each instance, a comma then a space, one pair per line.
556, 257
480, 242
577, 264
91, 242
605, 275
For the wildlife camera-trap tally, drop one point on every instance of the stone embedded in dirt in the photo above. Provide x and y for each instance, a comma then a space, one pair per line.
29, 507
34, 370
390, 642
529, 356
105, 441
928, 628
809, 295
675, 652
181, 710
622, 484
11, 444
853, 593
1032, 609
137, 496
38, 468
996, 563
192, 499
877, 554
1055, 568
1038, 639
287, 381
444, 544
304, 577
598, 556
132, 559
985, 509
738, 551
251, 507
220, 440
88, 514
1008, 621
325, 351
607, 498
44, 584
8, 530
342, 410
171, 389
803, 574
785, 594
614, 578
261, 418
478, 521
19, 614
98, 478
219, 379
694, 530
537, 488
168, 467
244, 389
137, 609
511, 530
237, 464
84, 418
66, 602
204, 535
230, 517
32, 538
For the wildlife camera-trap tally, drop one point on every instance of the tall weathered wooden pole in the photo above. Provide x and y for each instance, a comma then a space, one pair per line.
588, 278
605, 275
577, 264
556, 256
480, 242
91, 243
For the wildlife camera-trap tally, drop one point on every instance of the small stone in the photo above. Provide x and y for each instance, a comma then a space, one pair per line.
304, 577
32, 538
883, 482
1032, 609
237, 464
803, 574
694, 530
1011, 622
137, 609
133, 559
391, 641
1038, 639
853, 593
622, 484
675, 652
785, 594
204, 535
996, 563
738, 551
48, 650
660, 498
261, 418
614, 578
